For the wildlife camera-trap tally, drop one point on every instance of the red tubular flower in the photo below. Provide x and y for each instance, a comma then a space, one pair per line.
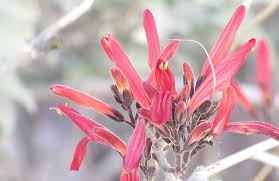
120, 79
153, 42
161, 108
224, 73
164, 57
94, 131
222, 47
131, 160
169, 51
121, 60
243, 99
264, 72
188, 77
164, 77
253, 127
180, 110
199, 132
80, 153
150, 90
87, 101
223, 115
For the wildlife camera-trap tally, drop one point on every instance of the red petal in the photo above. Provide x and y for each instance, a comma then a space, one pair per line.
150, 90
79, 154
152, 37
199, 132
120, 79
188, 77
169, 51
145, 113
224, 74
87, 101
188, 74
108, 138
164, 77
264, 72
243, 99
253, 127
223, 115
94, 130
222, 47
165, 56
180, 110
135, 146
122, 61
185, 93
161, 108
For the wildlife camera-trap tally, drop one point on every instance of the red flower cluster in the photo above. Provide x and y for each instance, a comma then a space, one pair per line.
180, 117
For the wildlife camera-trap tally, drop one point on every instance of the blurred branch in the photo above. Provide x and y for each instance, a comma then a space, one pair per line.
266, 170
47, 39
267, 158
263, 173
240, 156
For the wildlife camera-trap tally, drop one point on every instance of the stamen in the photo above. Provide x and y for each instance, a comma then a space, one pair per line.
58, 111
207, 54
164, 65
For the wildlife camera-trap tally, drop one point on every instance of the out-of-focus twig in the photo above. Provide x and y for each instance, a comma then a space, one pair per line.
263, 173
45, 41
266, 170
267, 12
240, 156
267, 158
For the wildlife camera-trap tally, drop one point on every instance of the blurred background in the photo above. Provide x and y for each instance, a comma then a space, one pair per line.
36, 144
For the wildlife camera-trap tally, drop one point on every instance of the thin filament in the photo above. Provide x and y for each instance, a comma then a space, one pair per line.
207, 54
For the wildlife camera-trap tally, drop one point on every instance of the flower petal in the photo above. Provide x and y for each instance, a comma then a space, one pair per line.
161, 108
188, 77
264, 72
120, 79
121, 60
169, 51
185, 93
79, 154
222, 117
135, 146
224, 74
145, 113
87, 101
253, 127
94, 130
152, 37
165, 56
243, 99
199, 132
222, 47
164, 77
150, 90
180, 111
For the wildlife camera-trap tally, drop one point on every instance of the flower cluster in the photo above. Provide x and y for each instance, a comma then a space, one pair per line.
164, 118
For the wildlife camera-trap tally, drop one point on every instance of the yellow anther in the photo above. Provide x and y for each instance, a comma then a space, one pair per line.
58, 111
164, 65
